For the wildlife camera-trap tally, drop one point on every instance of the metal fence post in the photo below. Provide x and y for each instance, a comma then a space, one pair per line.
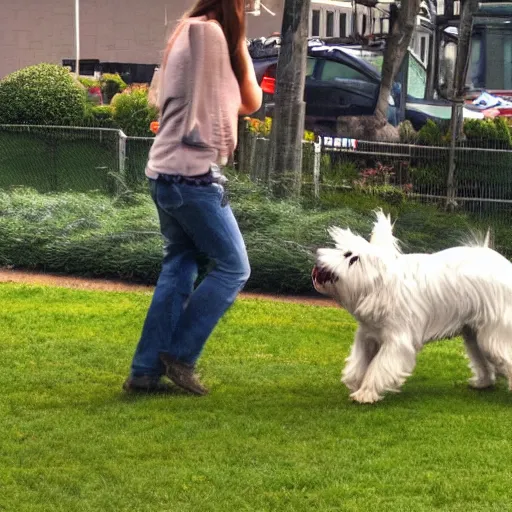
121, 182
450, 182
316, 167
122, 153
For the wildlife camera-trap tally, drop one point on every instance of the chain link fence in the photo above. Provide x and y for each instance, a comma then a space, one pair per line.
56, 159
482, 183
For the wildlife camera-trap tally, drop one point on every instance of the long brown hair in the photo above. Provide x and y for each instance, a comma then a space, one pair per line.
231, 16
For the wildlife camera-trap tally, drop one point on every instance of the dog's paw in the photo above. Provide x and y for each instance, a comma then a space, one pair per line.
352, 384
481, 383
364, 396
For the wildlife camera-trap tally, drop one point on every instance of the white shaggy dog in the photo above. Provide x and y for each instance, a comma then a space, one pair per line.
403, 301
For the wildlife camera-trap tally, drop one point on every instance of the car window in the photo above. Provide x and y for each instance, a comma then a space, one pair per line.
417, 78
310, 67
336, 70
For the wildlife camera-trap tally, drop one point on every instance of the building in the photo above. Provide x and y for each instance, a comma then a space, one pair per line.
333, 18
127, 31
134, 32
490, 64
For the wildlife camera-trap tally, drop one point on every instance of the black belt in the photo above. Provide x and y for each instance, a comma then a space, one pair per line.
201, 180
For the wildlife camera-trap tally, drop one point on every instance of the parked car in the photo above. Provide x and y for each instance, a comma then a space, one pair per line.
337, 84
341, 83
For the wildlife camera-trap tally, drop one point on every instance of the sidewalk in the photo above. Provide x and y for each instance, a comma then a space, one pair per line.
8, 275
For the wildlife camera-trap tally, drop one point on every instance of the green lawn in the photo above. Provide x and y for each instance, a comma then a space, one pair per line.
277, 432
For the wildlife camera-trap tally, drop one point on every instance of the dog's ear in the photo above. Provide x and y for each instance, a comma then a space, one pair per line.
350, 249
346, 241
382, 234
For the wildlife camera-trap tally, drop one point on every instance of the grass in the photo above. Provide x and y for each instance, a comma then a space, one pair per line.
277, 433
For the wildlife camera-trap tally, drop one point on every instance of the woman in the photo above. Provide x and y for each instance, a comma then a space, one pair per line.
206, 81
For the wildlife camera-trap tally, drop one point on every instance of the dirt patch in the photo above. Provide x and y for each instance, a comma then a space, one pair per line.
8, 275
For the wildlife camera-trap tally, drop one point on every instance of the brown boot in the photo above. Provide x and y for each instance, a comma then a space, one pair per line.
146, 384
183, 375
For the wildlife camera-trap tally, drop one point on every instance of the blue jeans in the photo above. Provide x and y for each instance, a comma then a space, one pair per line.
180, 319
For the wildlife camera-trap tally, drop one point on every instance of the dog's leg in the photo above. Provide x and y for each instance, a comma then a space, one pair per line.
483, 370
495, 344
363, 351
388, 370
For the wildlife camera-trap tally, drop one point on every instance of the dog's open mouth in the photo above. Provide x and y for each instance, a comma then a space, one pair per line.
320, 276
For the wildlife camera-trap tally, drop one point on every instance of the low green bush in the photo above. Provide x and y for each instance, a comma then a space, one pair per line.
431, 134
93, 234
488, 133
44, 94
132, 112
100, 116
89, 82
337, 170
407, 133
429, 175
390, 194
111, 84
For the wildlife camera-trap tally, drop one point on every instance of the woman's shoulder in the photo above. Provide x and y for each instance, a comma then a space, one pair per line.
208, 28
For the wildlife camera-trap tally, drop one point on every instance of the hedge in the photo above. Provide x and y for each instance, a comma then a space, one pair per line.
44, 94
132, 112
96, 235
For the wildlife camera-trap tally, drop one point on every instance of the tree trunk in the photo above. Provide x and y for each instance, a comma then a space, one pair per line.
288, 120
433, 53
402, 23
469, 8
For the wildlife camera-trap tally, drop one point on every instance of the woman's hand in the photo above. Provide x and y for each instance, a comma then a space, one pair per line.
251, 92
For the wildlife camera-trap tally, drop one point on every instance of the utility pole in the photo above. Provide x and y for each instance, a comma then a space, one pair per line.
77, 38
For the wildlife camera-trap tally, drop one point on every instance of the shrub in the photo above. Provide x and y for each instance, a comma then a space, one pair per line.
99, 235
89, 82
408, 135
503, 131
337, 171
111, 84
132, 112
479, 130
486, 131
263, 128
378, 175
390, 194
42, 94
431, 134
100, 116
430, 175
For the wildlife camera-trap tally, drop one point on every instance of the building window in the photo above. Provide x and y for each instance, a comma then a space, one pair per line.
423, 49
365, 25
456, 8
329, 24
315, 24
343, 24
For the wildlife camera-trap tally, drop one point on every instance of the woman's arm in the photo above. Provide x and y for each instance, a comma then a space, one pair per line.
250, 91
